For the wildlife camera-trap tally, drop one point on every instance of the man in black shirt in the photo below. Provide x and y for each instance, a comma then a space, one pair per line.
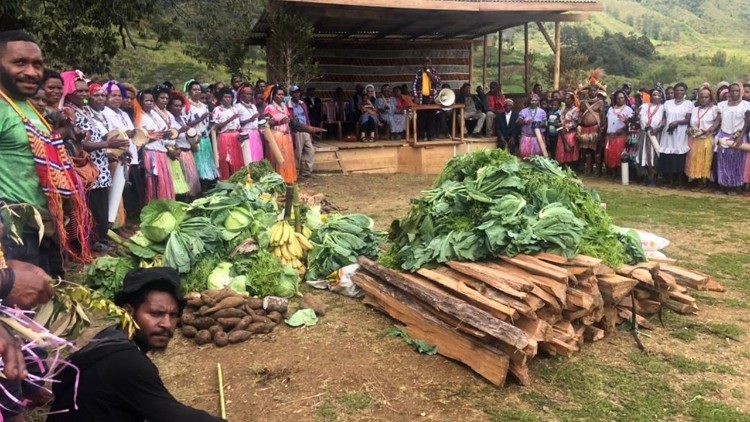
118, 382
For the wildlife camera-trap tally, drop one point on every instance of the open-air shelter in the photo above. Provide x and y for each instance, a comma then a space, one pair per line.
379, 41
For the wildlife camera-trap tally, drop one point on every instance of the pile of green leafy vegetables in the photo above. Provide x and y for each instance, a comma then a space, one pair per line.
339, 241
106, 274
489, 203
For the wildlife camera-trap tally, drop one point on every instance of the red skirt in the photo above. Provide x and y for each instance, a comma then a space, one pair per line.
561, 155
613, 151
287, 169
230, 154
159, 183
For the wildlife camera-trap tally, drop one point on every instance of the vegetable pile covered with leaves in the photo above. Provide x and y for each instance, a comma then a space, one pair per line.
489, 203
339, 241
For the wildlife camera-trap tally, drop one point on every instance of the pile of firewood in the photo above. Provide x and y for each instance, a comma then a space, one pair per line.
495, 316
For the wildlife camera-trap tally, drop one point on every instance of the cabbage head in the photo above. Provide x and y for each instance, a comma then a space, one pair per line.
160, 218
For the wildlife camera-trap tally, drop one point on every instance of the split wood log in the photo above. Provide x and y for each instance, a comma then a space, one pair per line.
714, 286
485, 275
520, 373
522, 307
667, 281
592, 334
512, 340
495, 308
614, 287
488, 362
649, 306
537, 329
552, 287
687, 278
538, 267
580, 299
681, 308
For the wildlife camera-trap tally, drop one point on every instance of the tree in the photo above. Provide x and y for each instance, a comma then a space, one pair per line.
719, 59
83, 34
289, 47
223, 34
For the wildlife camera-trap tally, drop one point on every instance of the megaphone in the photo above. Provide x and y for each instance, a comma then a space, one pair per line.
446, 97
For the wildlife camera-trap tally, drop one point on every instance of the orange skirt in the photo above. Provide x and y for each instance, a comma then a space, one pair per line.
287, 169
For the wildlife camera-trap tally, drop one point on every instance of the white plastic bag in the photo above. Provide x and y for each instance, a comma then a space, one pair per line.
343, 285
651, 242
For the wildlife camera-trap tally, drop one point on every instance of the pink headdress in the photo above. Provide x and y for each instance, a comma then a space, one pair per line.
69, 79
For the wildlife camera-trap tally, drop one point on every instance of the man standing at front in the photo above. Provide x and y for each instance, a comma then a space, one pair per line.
425, 87
304, 151
113, 379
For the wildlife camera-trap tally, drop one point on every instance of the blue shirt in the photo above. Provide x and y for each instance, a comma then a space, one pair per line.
299, 112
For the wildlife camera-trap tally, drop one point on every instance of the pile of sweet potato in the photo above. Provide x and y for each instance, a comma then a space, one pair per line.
225, 316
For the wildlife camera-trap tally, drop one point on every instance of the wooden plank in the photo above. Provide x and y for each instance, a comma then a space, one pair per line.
495, 308
667, 281
482, 275
615, 287
482, 358
550, 267
537, 329
520, 373
512, 339
682, 298
649, 306
692, 279
580, 298
518, 283
592, 334
681, 308
557, 289
490, 293
536, 268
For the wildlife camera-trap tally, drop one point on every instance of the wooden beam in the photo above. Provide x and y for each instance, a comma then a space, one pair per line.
468, 6
499, 55
526, 58
558, 41
484, 61
352, 29
544, 32
386, 32
427, 32
471, 63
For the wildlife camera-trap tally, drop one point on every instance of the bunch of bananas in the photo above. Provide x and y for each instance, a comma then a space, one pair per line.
288, 246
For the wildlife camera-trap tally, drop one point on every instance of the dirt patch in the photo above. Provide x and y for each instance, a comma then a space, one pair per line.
346, 368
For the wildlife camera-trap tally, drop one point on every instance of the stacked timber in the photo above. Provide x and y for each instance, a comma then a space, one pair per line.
494, 316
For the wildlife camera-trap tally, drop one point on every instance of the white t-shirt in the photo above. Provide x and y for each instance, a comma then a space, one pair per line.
704, 118
120, 120
615, 118
178, 123
677, 141
655, 111
221, 115
246, 111
733, 118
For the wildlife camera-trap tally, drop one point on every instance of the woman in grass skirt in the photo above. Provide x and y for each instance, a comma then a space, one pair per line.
159, 183
228, 147
198, 117
704, 121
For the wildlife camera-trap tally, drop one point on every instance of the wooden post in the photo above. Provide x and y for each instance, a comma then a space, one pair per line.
556, 76
484, 62
499, 55
471, 63
526, 58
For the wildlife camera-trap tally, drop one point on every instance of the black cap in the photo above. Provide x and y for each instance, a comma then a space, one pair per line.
138, 279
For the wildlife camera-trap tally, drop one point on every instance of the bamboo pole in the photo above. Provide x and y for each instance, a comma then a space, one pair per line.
484, 62
499, 56
221, 392
526, 58
556, 76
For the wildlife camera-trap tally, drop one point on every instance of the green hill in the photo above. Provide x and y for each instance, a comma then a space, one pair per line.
687, 34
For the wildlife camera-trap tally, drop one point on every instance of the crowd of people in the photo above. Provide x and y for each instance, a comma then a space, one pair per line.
669, 136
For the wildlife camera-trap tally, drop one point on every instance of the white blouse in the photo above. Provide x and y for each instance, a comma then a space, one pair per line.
655, 111
152, 122
703, 118
246, 111
197, 110
120, 120
733, 117
677, 141
221, 115
615, 118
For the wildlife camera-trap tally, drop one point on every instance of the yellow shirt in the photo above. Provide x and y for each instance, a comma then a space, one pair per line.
426, 82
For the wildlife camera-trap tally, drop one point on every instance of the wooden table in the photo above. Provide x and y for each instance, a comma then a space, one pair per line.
414, 127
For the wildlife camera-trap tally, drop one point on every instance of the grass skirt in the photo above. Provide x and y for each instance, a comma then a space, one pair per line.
699, 158
159, 184
204, 160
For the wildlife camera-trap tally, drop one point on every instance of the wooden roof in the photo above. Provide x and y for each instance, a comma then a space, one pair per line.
427, 19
